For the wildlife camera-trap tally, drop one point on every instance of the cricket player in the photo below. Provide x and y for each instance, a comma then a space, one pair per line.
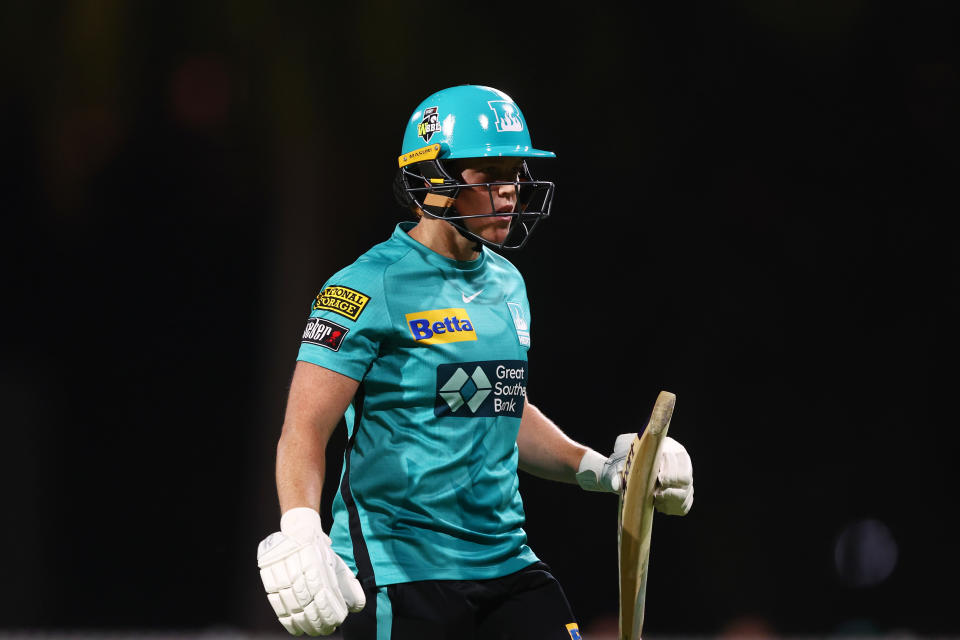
421, 346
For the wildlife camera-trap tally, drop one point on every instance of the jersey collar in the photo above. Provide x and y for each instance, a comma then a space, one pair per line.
402, 234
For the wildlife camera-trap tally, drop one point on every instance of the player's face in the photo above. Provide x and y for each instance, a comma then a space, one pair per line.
485, 200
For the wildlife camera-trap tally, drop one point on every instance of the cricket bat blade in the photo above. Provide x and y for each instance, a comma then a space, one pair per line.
636, 515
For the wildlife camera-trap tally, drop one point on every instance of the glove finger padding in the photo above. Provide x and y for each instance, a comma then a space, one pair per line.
676, 469
313, 578
673, 502
673, 494
328, 611
289, 625
331, 606
350, 587
301, 622
621, 447
618, 459
289, 600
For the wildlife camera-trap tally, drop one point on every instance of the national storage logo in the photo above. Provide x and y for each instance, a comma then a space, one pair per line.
441, 326
481, 389
348, 302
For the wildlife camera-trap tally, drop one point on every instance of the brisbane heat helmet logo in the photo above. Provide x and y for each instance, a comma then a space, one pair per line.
507, 116
429, 125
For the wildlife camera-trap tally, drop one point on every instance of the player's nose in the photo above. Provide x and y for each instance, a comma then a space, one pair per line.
507, 198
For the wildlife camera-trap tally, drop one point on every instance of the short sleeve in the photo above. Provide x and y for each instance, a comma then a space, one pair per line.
345, 326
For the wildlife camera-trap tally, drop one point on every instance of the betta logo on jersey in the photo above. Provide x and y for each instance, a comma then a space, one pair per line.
345, 301
441, 326
481, 389
429, 125
324, 333
506, 113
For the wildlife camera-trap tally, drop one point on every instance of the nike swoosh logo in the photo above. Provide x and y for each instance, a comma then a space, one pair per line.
467, 298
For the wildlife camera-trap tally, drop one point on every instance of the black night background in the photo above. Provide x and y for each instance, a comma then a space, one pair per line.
753, 211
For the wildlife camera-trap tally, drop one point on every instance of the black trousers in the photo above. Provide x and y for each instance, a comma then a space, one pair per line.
528, 604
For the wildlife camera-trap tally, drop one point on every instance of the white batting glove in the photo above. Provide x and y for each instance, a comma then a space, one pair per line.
310, 587
673, 494
597, 473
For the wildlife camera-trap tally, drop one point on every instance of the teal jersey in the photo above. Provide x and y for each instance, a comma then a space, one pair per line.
429, 488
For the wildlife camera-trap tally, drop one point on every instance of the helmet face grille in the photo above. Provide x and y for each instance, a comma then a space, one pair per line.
431, 188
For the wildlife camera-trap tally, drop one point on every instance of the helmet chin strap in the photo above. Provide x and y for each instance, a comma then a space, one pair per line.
469, 235
478, 246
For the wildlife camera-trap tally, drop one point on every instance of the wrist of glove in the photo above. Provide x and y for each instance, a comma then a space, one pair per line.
310, 588
673, 493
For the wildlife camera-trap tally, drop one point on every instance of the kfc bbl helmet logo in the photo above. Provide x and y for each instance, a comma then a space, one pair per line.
429, 125
507, 114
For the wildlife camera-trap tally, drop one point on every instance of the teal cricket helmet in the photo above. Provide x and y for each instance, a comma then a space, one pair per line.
470, 121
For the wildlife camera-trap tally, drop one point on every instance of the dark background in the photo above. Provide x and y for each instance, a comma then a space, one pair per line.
753, 211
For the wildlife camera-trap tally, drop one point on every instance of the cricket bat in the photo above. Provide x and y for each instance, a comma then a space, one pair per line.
636, 515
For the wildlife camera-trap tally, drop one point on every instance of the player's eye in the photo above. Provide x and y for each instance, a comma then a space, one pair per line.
510, 175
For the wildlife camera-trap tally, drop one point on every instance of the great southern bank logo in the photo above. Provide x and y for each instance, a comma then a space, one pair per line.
481, 389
